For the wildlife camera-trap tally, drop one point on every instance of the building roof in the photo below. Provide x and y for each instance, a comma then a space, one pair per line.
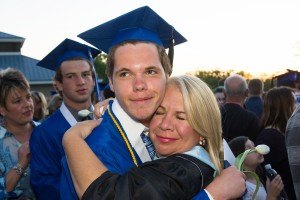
10, 56
9, 36
6, 36
27, 65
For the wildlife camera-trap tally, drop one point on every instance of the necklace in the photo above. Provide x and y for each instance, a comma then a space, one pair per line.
119, 127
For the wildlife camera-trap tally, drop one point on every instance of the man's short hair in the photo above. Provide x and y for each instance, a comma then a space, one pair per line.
235, 86
255, 86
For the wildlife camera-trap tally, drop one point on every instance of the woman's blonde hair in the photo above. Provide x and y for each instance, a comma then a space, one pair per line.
203, 114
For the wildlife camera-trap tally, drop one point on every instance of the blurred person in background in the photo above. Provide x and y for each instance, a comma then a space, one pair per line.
40, 105
254, 102
236, 120
220, 95
279, 104
268, 190
292, 142
16, 110
54, 103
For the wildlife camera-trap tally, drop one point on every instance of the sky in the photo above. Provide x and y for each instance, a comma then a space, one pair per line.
261, 37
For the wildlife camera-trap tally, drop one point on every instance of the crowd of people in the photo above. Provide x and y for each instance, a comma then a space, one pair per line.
159, 137
262, 117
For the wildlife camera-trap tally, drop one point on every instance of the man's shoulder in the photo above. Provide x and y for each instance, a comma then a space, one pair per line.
51, 125
53, 120
250, 114
105, 130
236, 110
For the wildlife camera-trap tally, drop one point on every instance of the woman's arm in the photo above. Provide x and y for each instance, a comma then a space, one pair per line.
86, 170
80, 157
176, 176
12, 177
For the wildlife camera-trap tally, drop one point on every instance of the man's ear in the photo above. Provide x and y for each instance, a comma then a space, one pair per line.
58, 85
2, 111
247, 93
111, 84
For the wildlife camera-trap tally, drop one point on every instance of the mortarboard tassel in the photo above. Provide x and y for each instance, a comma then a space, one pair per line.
171, 49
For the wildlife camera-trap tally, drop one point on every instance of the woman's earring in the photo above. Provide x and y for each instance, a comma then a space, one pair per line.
202, 141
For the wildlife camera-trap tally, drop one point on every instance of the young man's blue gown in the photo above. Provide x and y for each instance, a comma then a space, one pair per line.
46, 153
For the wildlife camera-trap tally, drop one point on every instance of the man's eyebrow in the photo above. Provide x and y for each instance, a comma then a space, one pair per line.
123, 69
71, 73
152, 67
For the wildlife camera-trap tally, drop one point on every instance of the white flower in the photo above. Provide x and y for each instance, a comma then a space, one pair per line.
83, 113
262, 149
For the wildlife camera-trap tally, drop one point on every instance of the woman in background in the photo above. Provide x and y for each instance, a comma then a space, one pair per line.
54, 103
279, 104
40, 106
16, 110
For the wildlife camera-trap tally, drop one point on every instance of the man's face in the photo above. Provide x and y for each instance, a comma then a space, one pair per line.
138, 80
77, 83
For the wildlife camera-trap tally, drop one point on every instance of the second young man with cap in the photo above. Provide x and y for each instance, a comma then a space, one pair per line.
138, 69
74, 80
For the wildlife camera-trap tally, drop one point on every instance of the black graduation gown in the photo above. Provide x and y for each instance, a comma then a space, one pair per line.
178, 176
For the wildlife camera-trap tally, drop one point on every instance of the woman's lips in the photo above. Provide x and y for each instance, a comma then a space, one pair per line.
165, 139
27, 113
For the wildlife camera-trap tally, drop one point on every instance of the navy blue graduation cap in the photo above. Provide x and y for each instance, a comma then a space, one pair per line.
67, 50
141, 24
287, 79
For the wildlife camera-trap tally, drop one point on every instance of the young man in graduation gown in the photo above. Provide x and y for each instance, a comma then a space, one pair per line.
75, 82
138, 69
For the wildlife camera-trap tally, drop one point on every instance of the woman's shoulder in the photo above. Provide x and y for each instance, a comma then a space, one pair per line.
3, 132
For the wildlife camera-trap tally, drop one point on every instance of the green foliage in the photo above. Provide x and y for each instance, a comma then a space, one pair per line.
100, 65
213, 78
268, 84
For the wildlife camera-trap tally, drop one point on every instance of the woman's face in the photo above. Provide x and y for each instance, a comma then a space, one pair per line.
220, 96
170, 131
253, 159
19, 107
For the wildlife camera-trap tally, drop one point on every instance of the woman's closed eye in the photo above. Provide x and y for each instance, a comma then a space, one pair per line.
160, 111
181, 116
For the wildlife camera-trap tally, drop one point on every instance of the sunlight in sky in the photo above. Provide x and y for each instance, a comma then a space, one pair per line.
259, 37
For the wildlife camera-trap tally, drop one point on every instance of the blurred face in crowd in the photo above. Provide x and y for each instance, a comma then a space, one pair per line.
253, 159
220, 96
